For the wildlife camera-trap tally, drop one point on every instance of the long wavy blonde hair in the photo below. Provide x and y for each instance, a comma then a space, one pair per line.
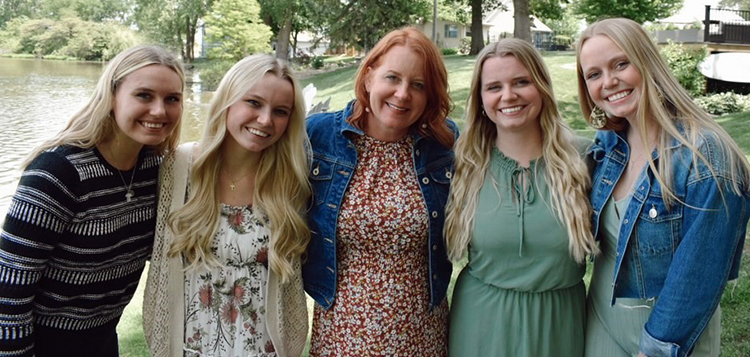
666, 103
566, 172
281, 187
94, 123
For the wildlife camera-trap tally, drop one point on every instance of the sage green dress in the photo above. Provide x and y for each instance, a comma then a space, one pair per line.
615, 331
521, 293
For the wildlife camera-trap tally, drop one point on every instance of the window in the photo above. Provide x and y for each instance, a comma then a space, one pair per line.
451, 31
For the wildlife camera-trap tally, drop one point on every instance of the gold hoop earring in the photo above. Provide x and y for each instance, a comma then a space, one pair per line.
598, 118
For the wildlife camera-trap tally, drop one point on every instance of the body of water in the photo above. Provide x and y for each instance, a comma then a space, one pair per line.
38, 97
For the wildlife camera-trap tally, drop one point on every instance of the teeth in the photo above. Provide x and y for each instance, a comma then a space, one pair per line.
617, 96
400, 109
259, 133
153, 125
511, 110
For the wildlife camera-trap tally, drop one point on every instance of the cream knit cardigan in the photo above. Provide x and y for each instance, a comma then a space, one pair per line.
164, 301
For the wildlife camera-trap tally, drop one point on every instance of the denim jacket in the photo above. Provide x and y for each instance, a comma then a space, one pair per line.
682, 256
334, 162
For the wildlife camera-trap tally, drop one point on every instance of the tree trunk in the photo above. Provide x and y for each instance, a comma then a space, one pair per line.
522, 23
477, 35
189, 39
282, 40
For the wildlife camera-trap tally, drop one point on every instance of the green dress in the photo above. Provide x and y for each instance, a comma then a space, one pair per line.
521, 293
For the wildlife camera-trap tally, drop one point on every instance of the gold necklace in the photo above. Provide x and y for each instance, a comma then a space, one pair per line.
233, 181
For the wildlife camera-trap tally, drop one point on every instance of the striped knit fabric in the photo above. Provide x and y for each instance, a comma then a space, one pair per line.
72, 249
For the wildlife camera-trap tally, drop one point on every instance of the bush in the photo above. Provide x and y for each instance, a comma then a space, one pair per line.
449, 51
724, 103
211, 75
317, 62
684, 63
465, 46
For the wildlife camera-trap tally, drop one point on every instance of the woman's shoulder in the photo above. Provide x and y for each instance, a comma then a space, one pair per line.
582, 144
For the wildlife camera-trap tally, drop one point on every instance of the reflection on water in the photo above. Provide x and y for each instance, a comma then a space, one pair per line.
38, 97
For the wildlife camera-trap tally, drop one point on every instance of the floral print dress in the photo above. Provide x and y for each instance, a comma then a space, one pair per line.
382, 290
225, 305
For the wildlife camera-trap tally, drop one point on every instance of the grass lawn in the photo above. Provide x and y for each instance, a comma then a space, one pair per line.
338, 85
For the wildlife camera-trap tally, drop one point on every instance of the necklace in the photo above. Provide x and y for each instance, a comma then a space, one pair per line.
233, 181
129, 193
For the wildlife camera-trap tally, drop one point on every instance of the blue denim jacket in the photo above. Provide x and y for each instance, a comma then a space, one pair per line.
683, 256
334, 162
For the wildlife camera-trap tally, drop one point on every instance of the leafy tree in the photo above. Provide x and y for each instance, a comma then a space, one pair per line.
11, 9
235, 29
567, 26
172, 23
738, 4
478, 9
637, 10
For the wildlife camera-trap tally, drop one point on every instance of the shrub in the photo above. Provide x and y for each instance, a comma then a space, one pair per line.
684, 63
211, 75
724, 103
465, 46
449, 51
317, 62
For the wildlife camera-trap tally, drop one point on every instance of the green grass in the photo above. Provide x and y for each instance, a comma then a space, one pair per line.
338, 85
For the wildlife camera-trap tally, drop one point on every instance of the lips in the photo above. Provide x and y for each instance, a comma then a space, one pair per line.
257, 132
397, 108
619, 95
512, 110
152, 125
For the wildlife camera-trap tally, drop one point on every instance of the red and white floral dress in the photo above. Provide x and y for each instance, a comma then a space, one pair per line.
225, 305
382, 291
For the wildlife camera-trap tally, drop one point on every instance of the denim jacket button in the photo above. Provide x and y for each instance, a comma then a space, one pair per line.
416, 152
316, 171
625, 221
434, 276
434, 214
425, 180
652, 212
448, 175
434, 247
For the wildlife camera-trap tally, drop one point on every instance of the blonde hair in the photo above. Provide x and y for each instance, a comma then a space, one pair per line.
281, 187
566, 172
666, 102
94, 123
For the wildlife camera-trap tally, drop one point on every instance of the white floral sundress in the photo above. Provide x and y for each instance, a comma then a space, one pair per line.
225, 305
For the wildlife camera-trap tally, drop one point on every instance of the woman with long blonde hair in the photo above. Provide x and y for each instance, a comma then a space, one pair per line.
519, 207
670, 201
81, 224
225, 273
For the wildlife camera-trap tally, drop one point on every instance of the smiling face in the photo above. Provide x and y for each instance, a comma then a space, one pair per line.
147, 105
260, 117
397, 94
509, 96
613, 83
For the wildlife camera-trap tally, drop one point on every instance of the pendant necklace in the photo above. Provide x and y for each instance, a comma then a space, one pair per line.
233, 181
129, 193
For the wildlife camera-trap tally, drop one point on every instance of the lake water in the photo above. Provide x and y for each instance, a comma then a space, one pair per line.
38, 97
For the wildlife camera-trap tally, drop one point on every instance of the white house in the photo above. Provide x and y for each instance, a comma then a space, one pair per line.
502, 24
450, 33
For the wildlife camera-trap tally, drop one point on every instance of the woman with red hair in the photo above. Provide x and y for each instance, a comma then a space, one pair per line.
377, 266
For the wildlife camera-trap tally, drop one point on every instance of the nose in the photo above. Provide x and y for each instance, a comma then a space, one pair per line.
508, 94
610, 80
403, 91
264, 117
158, 109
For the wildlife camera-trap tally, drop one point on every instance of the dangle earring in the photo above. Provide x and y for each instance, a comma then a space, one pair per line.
598, 118
484, 114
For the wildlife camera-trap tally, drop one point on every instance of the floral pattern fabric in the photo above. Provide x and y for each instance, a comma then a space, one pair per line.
225, 305
382, 292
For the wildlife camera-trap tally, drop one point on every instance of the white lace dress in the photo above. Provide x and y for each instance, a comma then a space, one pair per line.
224, 305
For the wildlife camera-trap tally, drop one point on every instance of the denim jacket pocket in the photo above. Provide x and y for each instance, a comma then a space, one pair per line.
441, 176
658, 229
321, 174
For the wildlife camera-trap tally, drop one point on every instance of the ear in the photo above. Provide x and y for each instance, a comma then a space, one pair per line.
368, 78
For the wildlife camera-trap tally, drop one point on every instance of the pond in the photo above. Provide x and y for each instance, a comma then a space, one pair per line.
38, 97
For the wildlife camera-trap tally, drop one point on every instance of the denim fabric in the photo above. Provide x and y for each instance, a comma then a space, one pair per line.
334, 162
684, 254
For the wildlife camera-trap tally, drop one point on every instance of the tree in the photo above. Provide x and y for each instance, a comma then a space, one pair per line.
479, 8
639, 11
236, 30
522, 20
172, 23
737, 4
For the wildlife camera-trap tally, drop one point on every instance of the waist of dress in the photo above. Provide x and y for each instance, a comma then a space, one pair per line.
528, 290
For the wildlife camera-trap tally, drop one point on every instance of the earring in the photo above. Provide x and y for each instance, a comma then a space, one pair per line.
598, 118
484, 114
367, 109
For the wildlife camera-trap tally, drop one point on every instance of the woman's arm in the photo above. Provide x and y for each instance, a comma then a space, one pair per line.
39, 213
713, 229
